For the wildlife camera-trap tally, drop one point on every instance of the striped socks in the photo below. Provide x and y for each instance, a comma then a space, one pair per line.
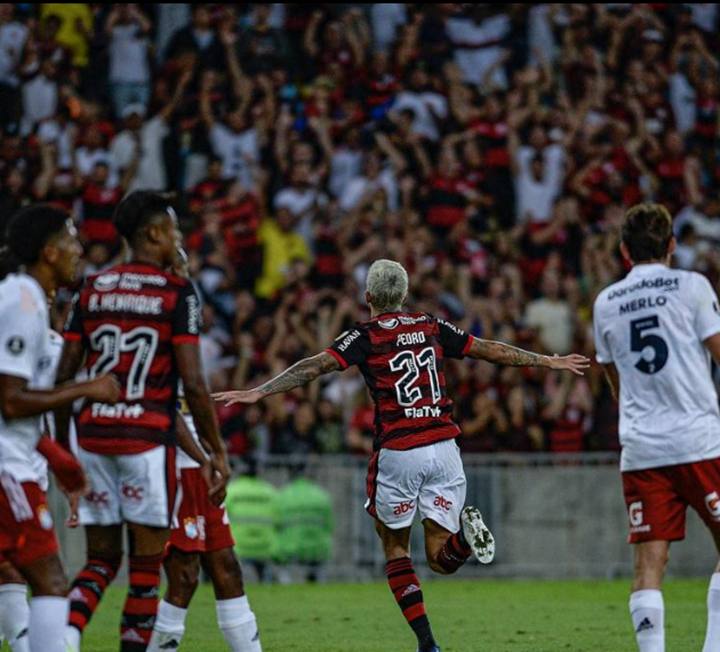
405, 585
454, 553
87, 591
138, 618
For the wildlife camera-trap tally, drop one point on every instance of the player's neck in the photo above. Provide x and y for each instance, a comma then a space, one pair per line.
377, 313
45, 277
140, 255
654, 261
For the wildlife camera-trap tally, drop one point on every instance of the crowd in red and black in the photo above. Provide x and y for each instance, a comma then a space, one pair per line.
491, 149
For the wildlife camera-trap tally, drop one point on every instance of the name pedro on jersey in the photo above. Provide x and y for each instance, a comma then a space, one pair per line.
642, 304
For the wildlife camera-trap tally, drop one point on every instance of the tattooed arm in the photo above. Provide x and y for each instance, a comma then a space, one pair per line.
500, 353
300, 374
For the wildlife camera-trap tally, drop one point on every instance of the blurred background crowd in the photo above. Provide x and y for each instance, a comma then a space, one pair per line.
490, 148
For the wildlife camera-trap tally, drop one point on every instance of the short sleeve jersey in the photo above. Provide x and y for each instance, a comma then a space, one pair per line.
652, 325
24, 326
130, 317
402, 358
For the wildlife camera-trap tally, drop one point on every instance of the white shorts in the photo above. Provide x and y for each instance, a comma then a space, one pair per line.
429, 478
137, 488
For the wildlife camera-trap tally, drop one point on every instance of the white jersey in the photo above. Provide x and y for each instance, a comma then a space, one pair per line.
24, 326
652, 325
48, 374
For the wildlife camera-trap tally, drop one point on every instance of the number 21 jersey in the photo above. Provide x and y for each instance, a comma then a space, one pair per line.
130, 317
652, 325
402, 358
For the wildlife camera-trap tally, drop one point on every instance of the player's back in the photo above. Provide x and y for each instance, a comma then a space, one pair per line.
130, 317
652, 326
402, 358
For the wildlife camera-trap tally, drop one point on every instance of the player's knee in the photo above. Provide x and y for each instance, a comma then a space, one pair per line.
226, 573
186, 580
53, 584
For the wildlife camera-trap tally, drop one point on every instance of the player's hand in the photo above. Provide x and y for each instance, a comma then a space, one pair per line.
573, 362
74, 503
104, 389
220, 477
230, 398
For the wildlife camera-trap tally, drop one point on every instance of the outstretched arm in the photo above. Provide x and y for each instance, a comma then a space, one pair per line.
500, 353
300, 374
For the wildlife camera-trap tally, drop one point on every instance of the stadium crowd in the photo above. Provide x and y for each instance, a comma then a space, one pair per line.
490, 148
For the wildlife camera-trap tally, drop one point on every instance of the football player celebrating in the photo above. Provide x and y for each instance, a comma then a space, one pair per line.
416, 465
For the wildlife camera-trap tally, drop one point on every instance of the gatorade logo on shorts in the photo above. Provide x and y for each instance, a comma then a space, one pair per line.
712, 502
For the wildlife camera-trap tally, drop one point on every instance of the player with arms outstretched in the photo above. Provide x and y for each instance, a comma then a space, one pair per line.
655, 333
142, 323
417, 463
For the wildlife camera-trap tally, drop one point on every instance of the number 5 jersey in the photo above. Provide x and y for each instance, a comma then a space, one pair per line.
402, 358
129, 318
652, 325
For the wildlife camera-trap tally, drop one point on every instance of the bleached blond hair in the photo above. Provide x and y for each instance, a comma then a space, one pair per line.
387, 285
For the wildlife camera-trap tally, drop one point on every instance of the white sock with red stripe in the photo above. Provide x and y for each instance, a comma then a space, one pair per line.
647, 610
238, 625
14, 616
48, 618
712, 638
169, 627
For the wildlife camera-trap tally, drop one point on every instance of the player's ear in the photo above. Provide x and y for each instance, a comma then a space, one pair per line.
625, 253
367, 298
50, 253
672, 246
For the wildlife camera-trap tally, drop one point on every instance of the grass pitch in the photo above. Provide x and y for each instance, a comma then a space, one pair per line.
467, 616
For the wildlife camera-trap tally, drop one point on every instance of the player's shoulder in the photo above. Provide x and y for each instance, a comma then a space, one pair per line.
22, 292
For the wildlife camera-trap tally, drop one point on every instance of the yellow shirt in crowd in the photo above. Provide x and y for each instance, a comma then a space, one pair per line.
69, 35
280, 250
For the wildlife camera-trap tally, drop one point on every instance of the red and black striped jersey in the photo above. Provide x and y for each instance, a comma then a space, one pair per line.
129, 319
402, 358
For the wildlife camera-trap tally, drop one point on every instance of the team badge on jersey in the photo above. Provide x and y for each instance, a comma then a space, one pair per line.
15, 345
389, 324
45, 517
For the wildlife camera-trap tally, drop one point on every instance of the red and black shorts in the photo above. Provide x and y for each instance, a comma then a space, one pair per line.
657, 499
199, 525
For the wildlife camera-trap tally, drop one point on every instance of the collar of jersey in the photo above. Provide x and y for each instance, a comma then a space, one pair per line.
647, 268
386, 314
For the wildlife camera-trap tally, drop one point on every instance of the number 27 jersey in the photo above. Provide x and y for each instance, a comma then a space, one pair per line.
652, 326
402, 358
130, 318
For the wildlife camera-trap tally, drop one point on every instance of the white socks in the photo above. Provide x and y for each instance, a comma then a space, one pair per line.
169, 627
712, 638
238, 625
235, 619
72, 638
648, 615
14, 617
48, 618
